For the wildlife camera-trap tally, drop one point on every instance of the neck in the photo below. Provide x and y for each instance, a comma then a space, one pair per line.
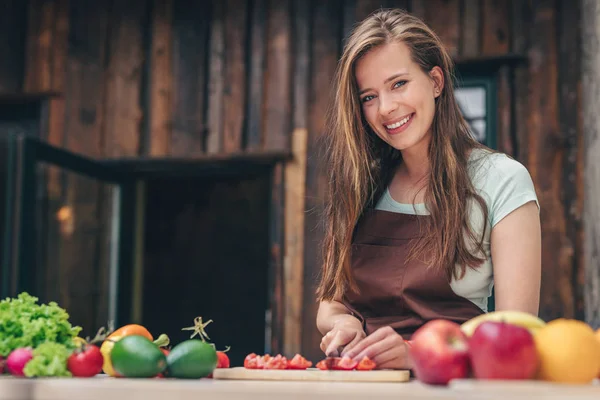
415, 161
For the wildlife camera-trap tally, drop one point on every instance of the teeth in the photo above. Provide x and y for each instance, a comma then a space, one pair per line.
398, 124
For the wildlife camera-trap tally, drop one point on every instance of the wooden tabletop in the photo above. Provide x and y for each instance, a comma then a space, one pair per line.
103, 388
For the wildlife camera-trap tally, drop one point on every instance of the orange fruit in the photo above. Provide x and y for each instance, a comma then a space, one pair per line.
569, 351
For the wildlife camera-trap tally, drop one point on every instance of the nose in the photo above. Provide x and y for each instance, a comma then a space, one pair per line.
386, 105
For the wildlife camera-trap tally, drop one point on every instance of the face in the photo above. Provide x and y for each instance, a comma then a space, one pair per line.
397, 97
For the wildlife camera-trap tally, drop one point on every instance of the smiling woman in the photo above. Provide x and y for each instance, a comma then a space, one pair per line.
417, 208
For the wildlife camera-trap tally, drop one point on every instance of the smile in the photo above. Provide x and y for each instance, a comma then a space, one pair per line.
399, 126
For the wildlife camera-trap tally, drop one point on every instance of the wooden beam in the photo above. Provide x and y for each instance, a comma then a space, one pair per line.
295, 187
235, 74
161, 78
256, 75
326, 31
590, 36
40, 33
123, 114
83, 244
471, 28
214, 138
190, 34
278, 78
546, 162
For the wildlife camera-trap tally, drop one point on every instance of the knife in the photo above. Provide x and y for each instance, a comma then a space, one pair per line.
330, 357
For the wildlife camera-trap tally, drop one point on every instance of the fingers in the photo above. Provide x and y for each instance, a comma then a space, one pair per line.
370, 340
336, 339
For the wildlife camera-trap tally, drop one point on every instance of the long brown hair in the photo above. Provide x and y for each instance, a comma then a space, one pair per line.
360, 164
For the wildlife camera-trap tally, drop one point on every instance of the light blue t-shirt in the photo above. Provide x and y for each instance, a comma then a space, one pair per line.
505, 185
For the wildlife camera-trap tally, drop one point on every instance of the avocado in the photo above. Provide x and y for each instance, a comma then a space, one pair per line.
137, 357
191, 359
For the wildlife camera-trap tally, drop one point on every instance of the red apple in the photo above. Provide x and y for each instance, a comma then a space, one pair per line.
439, 352
500, 350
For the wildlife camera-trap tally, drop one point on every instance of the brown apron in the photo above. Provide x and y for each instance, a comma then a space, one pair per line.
403, 295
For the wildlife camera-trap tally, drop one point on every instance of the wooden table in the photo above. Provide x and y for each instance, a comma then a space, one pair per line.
103, 388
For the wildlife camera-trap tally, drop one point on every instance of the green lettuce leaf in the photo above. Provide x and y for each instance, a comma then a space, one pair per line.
49, 359
25, 323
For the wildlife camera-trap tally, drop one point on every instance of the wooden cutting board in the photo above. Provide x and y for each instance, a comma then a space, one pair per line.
311, 374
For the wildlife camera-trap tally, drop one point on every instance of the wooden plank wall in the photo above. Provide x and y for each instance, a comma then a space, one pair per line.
165, 77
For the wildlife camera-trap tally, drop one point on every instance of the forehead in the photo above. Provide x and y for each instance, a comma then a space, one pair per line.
381, 62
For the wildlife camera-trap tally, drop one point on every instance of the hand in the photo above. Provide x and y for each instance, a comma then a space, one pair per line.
345, 332
384, 346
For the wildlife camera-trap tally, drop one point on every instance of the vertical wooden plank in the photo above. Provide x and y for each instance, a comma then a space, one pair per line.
258, 26
235, 78
443, 16
496, 27
13, 20
504, 125
471, 28
295, 186
38, 68
56, 134
123, 115
521, 19
214, 142
325, 49
569, 80
590, 27
161, 79
191, 24
83, 251
278, 78
546, 163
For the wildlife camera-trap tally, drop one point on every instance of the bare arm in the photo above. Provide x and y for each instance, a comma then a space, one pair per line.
331, 313
516, 253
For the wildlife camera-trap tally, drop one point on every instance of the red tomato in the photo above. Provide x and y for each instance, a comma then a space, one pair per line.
251, 361
222, 360
299, 362
366, 364
86, 361
337, 363
277, 362
321, 365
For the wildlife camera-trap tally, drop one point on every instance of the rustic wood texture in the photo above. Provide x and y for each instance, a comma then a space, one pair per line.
295, 186
84, 251
123, 113
326, 25
590, 62
570, 100
190, 35
546, 164
13, 38
256, 74
443, 16
496, 30
278, 78
235, 79
38, 75
167, 78
161, 78
504, 133
471, 24
214, 140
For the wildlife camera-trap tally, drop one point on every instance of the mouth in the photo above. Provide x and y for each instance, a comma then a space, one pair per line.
400, 125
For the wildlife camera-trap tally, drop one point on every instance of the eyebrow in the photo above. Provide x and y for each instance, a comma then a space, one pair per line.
391, 78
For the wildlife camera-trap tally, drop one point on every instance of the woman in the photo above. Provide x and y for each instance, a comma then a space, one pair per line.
417, 208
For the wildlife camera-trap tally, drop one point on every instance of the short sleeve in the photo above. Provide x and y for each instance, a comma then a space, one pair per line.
513, 187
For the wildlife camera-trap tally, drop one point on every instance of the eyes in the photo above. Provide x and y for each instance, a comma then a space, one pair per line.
396, 85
